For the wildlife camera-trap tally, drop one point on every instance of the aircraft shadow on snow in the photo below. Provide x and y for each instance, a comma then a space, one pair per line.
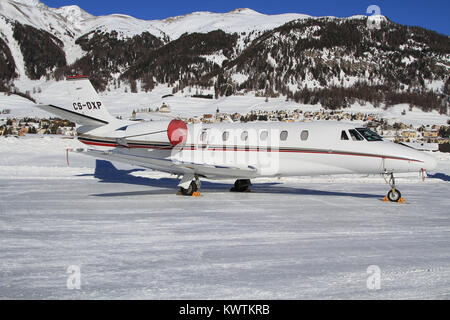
106, 172
440, 176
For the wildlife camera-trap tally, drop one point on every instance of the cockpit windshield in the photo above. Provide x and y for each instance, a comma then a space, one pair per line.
369, 135
355, 135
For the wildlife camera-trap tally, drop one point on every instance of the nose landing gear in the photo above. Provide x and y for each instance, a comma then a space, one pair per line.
394, 195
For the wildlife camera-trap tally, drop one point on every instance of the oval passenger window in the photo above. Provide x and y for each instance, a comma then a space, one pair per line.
284, 135
264, 135
305, 135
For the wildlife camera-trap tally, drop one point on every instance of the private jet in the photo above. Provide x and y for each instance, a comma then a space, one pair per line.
237, 151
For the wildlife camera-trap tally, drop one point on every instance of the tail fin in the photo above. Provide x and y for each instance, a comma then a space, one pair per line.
84, 106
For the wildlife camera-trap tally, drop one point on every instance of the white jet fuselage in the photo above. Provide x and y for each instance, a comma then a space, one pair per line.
258, 149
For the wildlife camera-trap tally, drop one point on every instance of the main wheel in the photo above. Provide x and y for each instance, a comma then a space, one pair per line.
242, 186
190, 191
394, 195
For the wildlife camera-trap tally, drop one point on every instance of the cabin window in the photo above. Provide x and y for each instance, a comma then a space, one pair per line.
203, 136
284, 135
355, 135
369, 134
344, 136
225, 136
244, 136
123, 129
304, 135
264, 135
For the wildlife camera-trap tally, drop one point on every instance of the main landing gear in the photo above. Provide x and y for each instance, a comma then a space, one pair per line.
189, 187
242, 186
394, 195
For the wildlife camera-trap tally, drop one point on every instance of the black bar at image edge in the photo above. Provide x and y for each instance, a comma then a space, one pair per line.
227, 309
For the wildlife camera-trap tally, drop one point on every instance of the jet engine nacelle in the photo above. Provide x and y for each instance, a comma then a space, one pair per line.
177, 132
159, 132
173, 132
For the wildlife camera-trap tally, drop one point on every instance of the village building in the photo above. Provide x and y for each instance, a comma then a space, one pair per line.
208, 118
164, 108
409, 134
431, 134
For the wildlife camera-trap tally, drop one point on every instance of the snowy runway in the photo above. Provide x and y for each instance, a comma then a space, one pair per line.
290, 239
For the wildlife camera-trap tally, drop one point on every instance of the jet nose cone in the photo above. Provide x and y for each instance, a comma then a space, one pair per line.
429, 163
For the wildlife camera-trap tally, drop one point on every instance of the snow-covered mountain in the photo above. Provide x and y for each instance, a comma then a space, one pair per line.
310, 59
71, 22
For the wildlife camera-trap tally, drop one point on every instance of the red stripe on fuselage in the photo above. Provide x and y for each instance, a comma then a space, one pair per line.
98, 144
305, 151
114, 145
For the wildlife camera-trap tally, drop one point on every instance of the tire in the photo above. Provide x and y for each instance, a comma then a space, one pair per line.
242, 186
191, 190
198, 183
394, 196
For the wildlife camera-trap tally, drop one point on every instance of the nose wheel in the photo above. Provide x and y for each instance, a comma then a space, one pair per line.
394, 195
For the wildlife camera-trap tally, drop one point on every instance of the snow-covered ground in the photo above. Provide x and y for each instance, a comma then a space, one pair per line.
132, 237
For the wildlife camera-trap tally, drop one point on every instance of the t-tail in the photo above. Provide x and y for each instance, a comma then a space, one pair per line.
84, 106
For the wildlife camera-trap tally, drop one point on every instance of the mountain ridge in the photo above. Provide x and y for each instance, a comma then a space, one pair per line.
326, 60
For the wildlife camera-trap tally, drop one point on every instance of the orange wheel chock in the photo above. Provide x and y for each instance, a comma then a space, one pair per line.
401, 201
197, 194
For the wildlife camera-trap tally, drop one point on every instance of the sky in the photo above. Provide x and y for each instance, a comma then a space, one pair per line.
430, 14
